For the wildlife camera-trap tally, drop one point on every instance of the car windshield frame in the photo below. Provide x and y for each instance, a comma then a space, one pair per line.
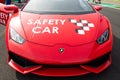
83, 7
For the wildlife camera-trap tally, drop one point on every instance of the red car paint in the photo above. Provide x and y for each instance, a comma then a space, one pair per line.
2, 1
46, 35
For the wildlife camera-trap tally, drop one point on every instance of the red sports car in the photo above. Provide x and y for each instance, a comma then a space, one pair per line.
57, 37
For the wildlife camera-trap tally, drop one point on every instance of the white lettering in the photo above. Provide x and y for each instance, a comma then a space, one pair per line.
37, 22
46, 30
55, 30
30, 21
56, 21
3, 16
36, 30
46, 25
51, 22
46, 21
62, 22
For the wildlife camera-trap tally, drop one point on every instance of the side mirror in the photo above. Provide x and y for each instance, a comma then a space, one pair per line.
98, 8
11, 8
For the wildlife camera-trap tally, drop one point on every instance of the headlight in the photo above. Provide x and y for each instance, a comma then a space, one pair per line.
104, 37
16, 37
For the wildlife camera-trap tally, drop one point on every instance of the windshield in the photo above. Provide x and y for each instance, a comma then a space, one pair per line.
58, 7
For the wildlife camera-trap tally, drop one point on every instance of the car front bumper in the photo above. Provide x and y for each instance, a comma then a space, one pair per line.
63, 70
40, 60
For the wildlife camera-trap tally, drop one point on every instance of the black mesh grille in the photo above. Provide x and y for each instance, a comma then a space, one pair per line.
62, 66
99, 61
21, 61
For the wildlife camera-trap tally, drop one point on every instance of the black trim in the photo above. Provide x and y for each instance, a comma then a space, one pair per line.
99, 61
58, 13
21, 61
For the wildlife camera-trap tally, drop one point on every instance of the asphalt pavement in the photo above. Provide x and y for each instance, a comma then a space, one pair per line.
112, 73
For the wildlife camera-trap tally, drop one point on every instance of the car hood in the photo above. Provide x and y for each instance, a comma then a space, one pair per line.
60, 29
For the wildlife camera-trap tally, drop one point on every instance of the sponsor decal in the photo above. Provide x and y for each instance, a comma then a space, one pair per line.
3, 18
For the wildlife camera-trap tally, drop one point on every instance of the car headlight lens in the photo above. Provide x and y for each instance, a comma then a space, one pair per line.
104, 37
16, 37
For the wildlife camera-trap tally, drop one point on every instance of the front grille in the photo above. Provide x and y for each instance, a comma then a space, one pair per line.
99, 61
61, 66
26, 63
21, 61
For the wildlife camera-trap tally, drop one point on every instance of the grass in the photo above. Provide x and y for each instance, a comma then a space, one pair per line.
111, 0
110, 3
117, 2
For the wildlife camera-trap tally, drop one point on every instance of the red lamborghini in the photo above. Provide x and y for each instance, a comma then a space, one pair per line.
57, 37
